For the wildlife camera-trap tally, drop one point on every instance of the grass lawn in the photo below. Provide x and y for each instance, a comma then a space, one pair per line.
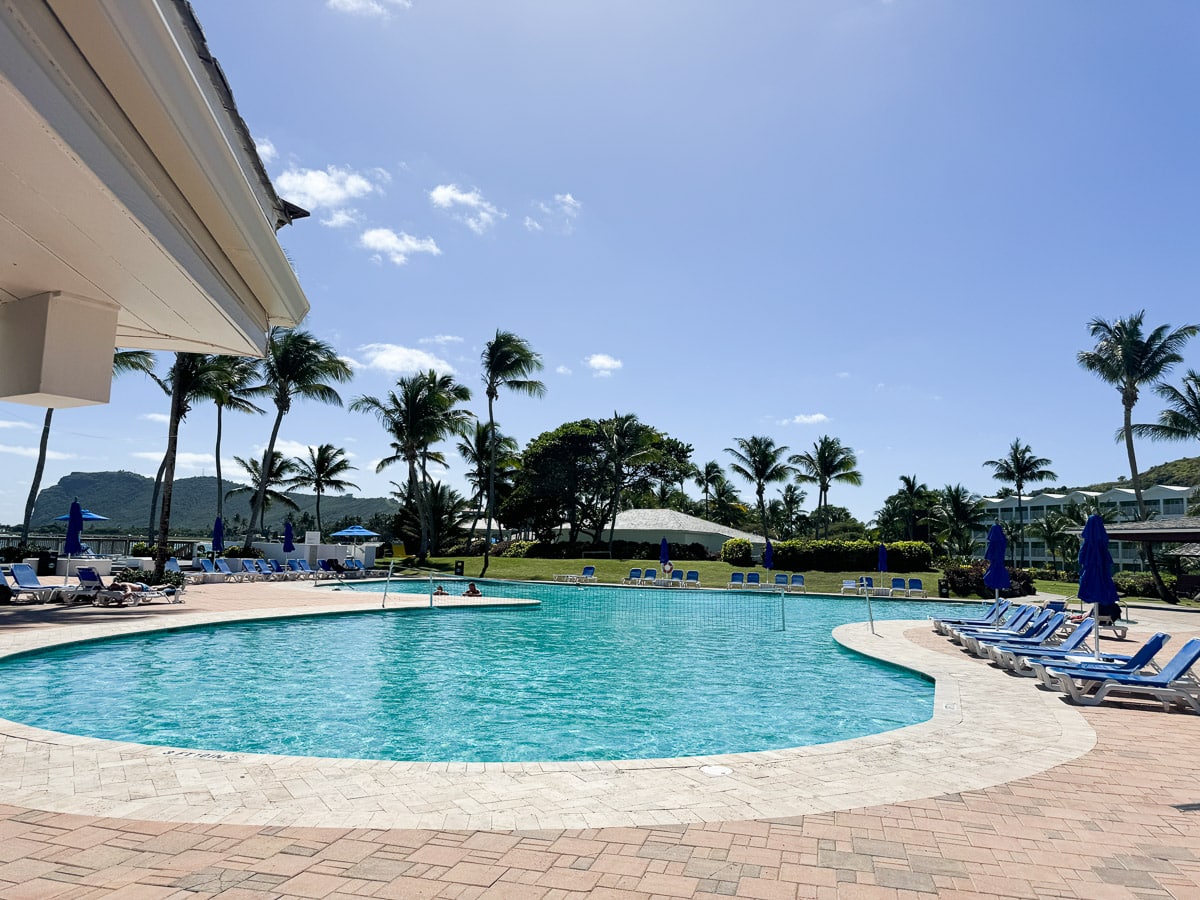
712, 574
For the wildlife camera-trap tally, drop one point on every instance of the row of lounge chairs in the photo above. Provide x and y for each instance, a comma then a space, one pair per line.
783, 582
273, 570
899, 588
1030, 641
677, 578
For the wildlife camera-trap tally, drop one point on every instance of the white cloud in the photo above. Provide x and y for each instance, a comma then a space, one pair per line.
805, 419
32, 452
397, 360
266, 149
327, 188
156, 417
532, 224
843, 374
340, 218
603, 365
377, 8
442, 339
560, 213
469, 206
397, 247
563, 370
568, 205
10, 423
290, 448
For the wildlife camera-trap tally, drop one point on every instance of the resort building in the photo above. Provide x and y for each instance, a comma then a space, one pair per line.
1161, 501
137, 212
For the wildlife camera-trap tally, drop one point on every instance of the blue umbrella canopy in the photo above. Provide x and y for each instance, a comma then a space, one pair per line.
996, 577
1096, 585
769, 556
289, 543
218, 540
88, 516
882, 562
355, 531
72, 546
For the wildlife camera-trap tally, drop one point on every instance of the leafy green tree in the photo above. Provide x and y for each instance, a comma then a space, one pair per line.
508, 362
123, 361
1180, 421
1129, 359
562, 477
1052, 530
272, 488
1013, 531
233, 377
760, 461
1020, 467
828, 461
322, 471
422, 411
297, 365
448, 511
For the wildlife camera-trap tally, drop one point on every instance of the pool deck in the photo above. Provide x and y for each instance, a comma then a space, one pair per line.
1006, 792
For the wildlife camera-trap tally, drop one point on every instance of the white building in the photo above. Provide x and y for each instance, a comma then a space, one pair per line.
1161, 500
652, 525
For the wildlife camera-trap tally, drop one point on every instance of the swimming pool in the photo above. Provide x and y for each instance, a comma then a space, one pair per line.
593, 673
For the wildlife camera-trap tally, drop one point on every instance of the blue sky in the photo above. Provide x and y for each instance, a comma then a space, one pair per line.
885, 221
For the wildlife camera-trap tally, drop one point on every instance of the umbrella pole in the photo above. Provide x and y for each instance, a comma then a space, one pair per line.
1096, 619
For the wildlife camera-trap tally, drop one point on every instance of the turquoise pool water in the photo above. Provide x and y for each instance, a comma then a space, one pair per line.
593, 673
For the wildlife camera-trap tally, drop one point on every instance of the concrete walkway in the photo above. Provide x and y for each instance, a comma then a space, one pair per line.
1007, 792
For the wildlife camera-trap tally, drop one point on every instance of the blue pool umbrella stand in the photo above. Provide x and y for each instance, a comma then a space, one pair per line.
73, 545
289, 538
996, 576
1096, 585
218, 537
769, 556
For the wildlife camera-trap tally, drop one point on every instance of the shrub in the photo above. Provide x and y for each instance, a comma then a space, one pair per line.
966, 579
1141, 584
141, 548
141, 576
517, 549
238, 552
736, 552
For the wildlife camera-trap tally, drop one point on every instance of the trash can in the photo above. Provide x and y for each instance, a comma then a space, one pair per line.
458, 567
943, 588
47, 562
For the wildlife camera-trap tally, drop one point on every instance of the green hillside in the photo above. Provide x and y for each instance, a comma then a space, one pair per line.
1179, 472
125, 498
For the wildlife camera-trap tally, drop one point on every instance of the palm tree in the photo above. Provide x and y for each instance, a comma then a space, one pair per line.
958, 515
1129, 359
828, 461
123, 361
508, 362
1051, 528
1020, 467
296, 365
913, 498
1180, 421
1012, 536
626, 442
476, 451
233, 376
758, 460
727, 506
791, 499
280, 472
707, 479
419, 413
323, 471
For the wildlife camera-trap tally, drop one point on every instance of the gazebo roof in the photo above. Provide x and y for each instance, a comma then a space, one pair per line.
1170, 530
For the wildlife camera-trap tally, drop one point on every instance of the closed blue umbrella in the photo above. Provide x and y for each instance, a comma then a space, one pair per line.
881, 565
996, 577
1096, 585
769, 556
73, 546
289, 543
218, 540
664, 552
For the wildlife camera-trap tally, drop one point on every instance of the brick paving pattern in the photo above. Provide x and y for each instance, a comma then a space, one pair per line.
1104, 825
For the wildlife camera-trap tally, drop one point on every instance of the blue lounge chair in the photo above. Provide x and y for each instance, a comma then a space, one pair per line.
172, 565
320, 573
208, 569
781, 581
223, 568
796, 585
588, 575
1040, 635
650, 576
898, 586
90, 583
356, 567
866, 584
752, 580
915, 587
677, 578
737, 580
849, 586
990, 616
1016, 659
1017, 619
250, 567
281, 573
27, 583
691, 579
1051, 671
294, 567
1166, 686
634, 577
106, 595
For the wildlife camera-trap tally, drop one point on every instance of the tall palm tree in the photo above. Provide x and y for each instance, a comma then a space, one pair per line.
1052, 529
828, 461
322, 471
758, 460
123, 361
626, 443
727, 506
296, 365
791, 499
508, 362
1129, 359
1020, 467
957, 516
233, 377
707, 479
914, 496
476, 451
422, 411
1180, 421
272, 488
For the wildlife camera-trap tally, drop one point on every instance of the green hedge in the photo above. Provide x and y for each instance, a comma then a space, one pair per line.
966, 580
1141, 584
851, 556
736, 552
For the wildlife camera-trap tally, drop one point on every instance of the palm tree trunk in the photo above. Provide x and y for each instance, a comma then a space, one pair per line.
1147, 547
220, 485
158, 479
37, 476
1021, 527
491, 489
318, 492
762, 512
260, 495
168, 480
414, 491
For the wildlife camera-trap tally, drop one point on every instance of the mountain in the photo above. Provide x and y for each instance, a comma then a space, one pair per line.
1183, 472
124, 497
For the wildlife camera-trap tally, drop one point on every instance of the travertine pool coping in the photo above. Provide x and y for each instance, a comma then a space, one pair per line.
987, 728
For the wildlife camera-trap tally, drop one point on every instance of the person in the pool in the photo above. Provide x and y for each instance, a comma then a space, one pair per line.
440, 592
472, 591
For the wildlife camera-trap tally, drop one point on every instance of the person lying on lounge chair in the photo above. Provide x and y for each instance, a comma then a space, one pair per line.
472, 591
128, 588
